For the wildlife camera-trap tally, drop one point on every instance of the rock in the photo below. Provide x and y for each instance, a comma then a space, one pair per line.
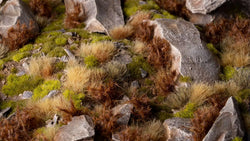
135, 84
124, 110
143, 73
27, 95
4, 112
116, 137
68, 52
203, 6
64, 59
228, 124
98, 15
51, 94
13, 12
51, 123
201, 19
178, 129
190, 56
80, 128
25, 67
123, 57
20, 73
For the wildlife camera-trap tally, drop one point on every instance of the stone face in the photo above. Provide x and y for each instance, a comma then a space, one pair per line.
15, 11
80, 128
27, 94
228, 124
190, 57
98, 15
201, 19
203, 6
178, 129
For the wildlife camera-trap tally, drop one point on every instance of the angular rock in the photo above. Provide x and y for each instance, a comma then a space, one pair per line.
135, 84
203, 6
27, 95
124, 110
80, 128
69, 53
201, 19
123, 57
178, 129
228, 124
51, 94
143, 73
190, 57
98, 15
13, 12
4, 112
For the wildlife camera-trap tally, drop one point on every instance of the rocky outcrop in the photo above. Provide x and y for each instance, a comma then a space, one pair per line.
228, 124
178, 129
98, 15
203, 6
80, 128
15, 12
190, 56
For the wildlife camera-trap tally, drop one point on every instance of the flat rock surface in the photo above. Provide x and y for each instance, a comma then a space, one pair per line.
196, 60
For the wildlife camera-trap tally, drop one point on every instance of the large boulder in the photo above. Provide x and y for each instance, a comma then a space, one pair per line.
80, 128
98, 15
178, 129
190, 56
228, 124
203, 6
15, 13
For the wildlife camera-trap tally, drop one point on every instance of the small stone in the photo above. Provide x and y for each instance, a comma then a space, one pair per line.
123, 57
201, 19
26, 95
51, 123
143, 73
20, 73
178, 129
51, 94
80, 128
71, 55
135, 84
68, 33
64, 59
70, 41
25, 67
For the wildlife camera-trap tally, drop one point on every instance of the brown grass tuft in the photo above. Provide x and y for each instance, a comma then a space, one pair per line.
121, 32
42, 66
144, 32
139, 17
19, 35
41, 7
73, 18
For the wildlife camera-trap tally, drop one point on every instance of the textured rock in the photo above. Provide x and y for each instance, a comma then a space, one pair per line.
4, 112
228, 124
15, 11
201, 19
99, 15
203, 6
190, 56
51, 94
53, 122
143, 73
178, 129
80, 128
123, 57
27, 95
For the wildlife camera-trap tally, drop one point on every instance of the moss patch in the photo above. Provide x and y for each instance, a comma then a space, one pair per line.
16, 85
25, 48
228, 72
44, 89
17, 57
76, 98
187, 112
96, 37
57, 52
211, 47
83, 33
55, 25
91, 61
61, 41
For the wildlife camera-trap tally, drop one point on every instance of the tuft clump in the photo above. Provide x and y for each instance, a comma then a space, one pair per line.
139, 48
115, 70
187, 112
76, 98
61, 41
74, 17
41, 7
121, 32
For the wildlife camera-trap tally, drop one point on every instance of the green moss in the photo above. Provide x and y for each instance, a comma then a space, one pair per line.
148, 82
2, 76
57, 52
43, 89
12, 104
47, 36
55, 25
211, 47
59, 75
47, 47
1, 64
237, 139
164, 15
163, 115
130, 7
99, 37
187, 112
60, 66
137, 63
228, 72
149, 6
25, 48
60, 9
185, 79
91, 61
61, 41
13, 70
16, 85
83, 33
76, 98
17, 57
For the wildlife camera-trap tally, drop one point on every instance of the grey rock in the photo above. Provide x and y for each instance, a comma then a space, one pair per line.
201, 19
68, 52
98, 15
27, 95
143, 73
51, 94
178, 129
4, 112
15, 11
20, 73
80, 128
190, 57
124, 110
68, 33
64, 59
123, 57
135, 84
228, 124
53, 122
203, 6
25, 67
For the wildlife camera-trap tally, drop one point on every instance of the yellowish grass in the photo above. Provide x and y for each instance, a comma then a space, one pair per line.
79, 77
115, 69
235, 53
139, 47
121, 32
200, 92
103, 51
42, 66
154, 130
46, 133
138, 18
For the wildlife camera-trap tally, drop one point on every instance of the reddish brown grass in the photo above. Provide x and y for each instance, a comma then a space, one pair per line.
72, 19
41, 7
